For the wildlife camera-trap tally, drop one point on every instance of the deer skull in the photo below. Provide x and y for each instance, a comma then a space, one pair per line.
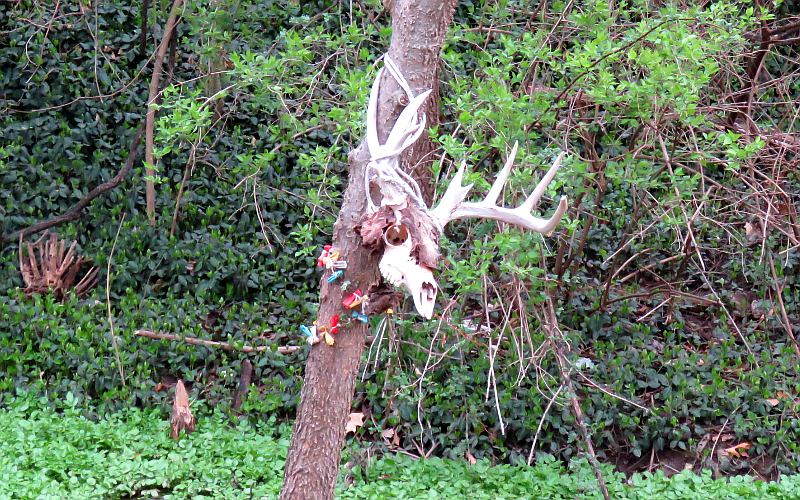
401, 269
402, 225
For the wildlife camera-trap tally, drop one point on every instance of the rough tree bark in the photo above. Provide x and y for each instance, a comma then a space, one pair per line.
312, 464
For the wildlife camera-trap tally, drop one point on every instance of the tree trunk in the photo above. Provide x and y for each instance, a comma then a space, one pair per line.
312, 464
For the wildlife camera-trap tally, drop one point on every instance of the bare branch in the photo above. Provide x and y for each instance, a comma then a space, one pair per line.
74, 213
213, 343
150, 189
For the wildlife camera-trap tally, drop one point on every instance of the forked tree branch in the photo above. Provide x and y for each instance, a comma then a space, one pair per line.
74, 213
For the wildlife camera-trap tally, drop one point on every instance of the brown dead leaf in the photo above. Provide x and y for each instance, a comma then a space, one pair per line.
470, 458
739, 450
779, 396
355, 421
387, 434
752, 231
371, 227
724, 438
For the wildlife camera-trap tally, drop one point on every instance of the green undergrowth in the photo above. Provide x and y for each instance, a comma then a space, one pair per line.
44, 454
49, 454
404, 477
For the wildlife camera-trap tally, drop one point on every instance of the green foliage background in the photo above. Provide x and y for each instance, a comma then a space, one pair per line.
129, 454
262, 102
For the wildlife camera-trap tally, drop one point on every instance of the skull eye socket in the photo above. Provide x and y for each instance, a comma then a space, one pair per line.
396, 235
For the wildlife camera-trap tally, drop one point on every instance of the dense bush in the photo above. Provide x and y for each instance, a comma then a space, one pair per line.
666, 277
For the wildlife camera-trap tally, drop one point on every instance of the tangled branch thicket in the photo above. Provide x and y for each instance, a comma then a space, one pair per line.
683, 132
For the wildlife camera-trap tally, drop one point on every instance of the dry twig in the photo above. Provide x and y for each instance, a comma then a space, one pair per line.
108, 304
74, 213
213, 343
565, 370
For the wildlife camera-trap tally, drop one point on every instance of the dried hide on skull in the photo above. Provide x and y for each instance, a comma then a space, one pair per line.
399, 223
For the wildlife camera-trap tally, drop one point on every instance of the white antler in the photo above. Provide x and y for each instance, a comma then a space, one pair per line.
452, 205
410, 239
384, 167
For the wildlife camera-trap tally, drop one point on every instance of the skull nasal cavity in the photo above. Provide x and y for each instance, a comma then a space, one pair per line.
396, 235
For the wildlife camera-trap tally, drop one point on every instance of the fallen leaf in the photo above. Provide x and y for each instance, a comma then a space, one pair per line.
739, 450
780, 395
724, 437
751, 231
388, 434
355, 421
471, 458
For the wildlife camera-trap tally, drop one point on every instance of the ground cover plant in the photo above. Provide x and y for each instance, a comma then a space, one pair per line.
674, 280
49, 454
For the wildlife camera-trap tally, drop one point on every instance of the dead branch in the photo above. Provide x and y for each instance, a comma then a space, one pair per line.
244, 383
150, 188
47, 267
143, 29
560, 347
213, 343
785, 322
744, 100
74, 213
114, 343
182, 418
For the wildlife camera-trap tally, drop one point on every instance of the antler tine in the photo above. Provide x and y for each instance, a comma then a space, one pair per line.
515, 216
407, 128
398, 76
383, 168
453, 207
452, 198
502, 176
533, 200
373, 143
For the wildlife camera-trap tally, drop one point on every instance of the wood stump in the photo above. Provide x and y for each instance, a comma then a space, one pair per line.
182, 418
